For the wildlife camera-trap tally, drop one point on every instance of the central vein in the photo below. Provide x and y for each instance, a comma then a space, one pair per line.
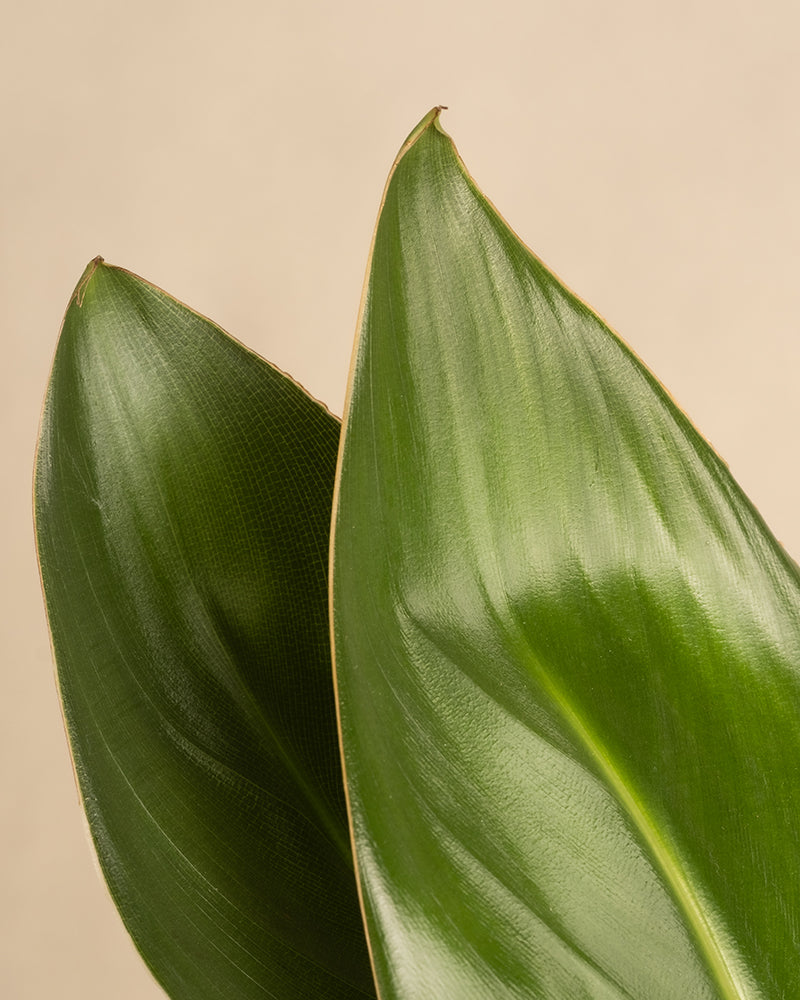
729, 982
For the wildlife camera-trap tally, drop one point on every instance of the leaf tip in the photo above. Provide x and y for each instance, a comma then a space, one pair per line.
430, 119
86, 277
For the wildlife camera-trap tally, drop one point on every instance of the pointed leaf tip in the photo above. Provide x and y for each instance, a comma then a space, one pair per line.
430, 119
86, 277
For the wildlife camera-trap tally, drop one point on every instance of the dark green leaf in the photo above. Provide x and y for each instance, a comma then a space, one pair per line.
567, 647
183, 492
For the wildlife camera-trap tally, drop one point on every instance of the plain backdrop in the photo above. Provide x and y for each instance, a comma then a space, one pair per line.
235, 153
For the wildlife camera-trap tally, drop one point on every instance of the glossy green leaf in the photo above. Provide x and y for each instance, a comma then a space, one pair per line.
566, 645
183, 492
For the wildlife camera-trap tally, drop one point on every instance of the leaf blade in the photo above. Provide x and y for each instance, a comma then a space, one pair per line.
564, 557
182, 508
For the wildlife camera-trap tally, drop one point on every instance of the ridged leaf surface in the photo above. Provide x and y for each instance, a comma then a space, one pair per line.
183, 491
566, 646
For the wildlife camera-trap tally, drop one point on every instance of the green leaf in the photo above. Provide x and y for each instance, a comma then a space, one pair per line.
183, 491
566, 645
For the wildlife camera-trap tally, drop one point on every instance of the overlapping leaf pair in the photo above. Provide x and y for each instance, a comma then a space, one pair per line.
566, 648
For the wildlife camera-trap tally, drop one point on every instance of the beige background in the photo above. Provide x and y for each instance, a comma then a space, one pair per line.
234, 153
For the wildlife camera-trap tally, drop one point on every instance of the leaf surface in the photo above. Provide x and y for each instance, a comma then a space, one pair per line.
566, 646
182, 500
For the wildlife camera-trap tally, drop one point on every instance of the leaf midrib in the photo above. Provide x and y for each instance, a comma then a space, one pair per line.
662, 852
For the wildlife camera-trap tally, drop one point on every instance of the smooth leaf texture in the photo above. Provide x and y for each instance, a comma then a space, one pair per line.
566, 646
183, 492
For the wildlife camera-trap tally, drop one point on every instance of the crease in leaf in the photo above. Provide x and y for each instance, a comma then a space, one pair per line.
566, 645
